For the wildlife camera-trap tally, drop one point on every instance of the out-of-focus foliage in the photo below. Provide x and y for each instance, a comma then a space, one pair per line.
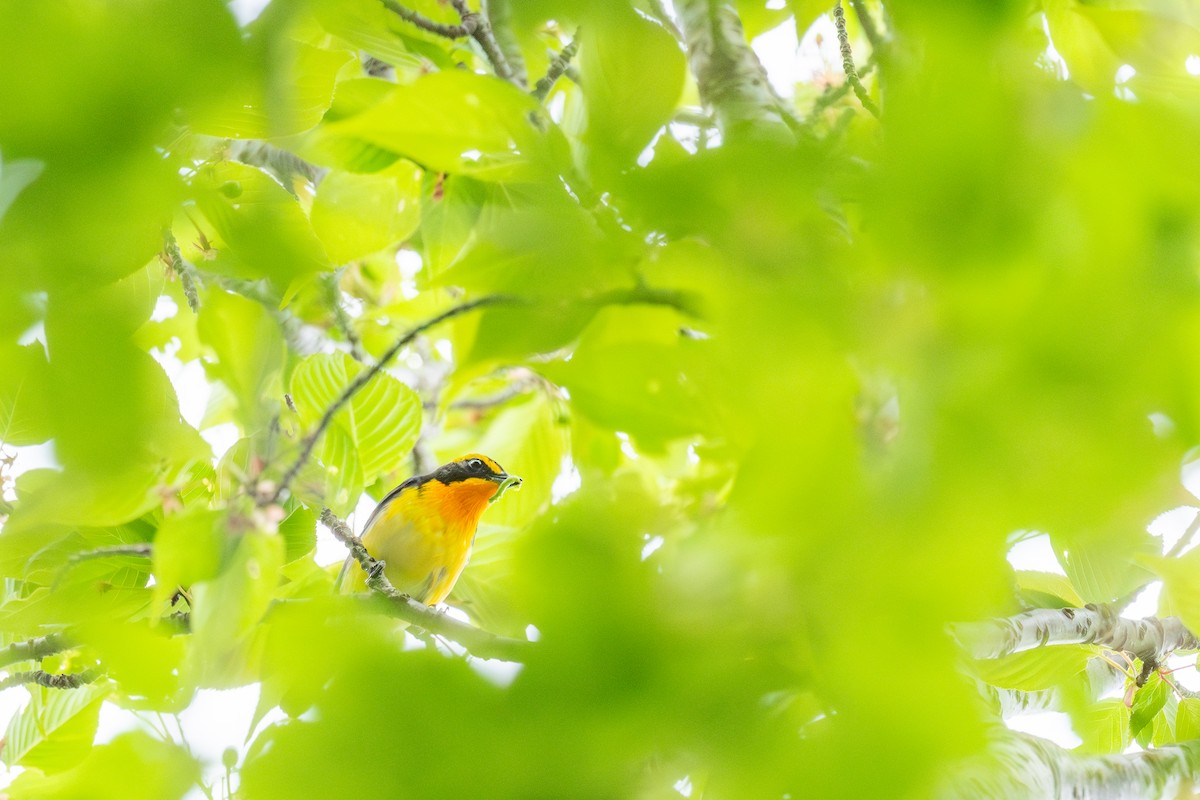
779, 397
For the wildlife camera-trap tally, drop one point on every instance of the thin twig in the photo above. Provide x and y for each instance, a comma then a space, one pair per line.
479, 642
310, 441
33, 649
868, 25
557, 67
467, 28
50, 680
486, 38
143, 550
860, 91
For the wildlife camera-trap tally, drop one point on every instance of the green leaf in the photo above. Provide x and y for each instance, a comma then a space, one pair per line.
1147, 702
226, 611
1187, 719
357, 215
261, 231
1104, 727
381, 422
133, 766
1031, 670
1181, 590
299, 532
55, 730
293, 102
249, 348
24, 384
624, 110
1048, 589
188, 548
634, 372
462, 123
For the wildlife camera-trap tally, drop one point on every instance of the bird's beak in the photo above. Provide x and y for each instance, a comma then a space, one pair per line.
506, 482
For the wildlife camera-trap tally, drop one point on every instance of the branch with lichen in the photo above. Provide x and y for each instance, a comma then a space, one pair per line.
860, 91
33, 649
498, 13
731, 79
558, 65
185, 271
478, 641
1150, 639
50, 680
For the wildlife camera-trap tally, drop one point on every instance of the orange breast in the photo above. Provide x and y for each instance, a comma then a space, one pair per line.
424, 537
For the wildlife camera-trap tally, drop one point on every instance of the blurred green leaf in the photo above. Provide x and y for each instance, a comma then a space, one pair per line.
356, 215
24, 382
290, 101
1187, 719
260, 229
227, 609
54, 731
164, 771
1104, 727
624, 110
1048, 590
1036, 669
188, 548
461, 123
249, 349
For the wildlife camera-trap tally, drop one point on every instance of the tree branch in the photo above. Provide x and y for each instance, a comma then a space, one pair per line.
33, 649
868, 25
498, 13
310, 441
1019, 765
479, 642
49, 679
557, 67
1148, 639
860, 91
732, 80
142, 550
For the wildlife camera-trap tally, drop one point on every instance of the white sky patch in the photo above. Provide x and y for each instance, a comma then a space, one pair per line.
1035, 553
1171, 525
1192, 65
164, 308
684, 786
1145, 604
652, 544
777, 49
1052, 725
568, 481
34, 333
221, 437
246, 11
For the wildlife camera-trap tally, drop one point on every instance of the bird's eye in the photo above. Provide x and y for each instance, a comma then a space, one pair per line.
474, 463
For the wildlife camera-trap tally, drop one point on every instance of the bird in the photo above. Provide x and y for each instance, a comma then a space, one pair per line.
423, 530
